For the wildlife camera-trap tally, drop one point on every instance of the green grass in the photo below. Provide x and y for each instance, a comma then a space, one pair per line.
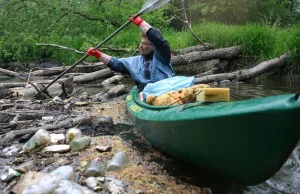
257, 40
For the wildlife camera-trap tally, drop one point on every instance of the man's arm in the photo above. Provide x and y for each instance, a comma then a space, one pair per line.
160, 44
112, 62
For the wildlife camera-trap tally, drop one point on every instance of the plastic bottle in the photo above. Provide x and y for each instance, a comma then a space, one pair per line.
96, 168
67, 187
46, 185
73, 133
91, 182
26, 166
65, 172
37, 141
80, 143
55, 165
8, 173
49, 182
119, 160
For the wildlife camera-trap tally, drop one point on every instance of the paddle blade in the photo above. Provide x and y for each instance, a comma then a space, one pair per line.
151, 5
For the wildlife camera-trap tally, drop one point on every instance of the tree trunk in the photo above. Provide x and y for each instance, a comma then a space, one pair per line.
104, 73
197, 67
113, 92
58, 70
9, 73
26, 114
12, 85
222, 53
114, 79
248, 73
204, 47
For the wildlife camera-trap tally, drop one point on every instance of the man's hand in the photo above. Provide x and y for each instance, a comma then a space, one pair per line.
136, 20
94, 52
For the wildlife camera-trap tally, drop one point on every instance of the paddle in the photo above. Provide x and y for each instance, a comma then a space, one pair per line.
149, 6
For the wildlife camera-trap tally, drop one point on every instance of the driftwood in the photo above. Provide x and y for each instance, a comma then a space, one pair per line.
87, 67
104, 73
29, 90
199, 67
246, 73
6, 106
223, 53
50, 127
113, 79
113, 92
217, 68
25, 114
102, 125
9, 73
48, 71
204, 47
12, 85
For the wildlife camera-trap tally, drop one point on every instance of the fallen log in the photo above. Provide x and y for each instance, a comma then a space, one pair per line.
101, 124
192, 49
26, 114
113, 92
9, 73
88, 67
113, 79
48, 71
12, 85
104, 73
10, 136
222, 53
29, 90
197, 67
246, 73
6, 106
218, 68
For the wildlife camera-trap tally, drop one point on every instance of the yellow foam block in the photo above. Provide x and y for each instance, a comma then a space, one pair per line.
213, 95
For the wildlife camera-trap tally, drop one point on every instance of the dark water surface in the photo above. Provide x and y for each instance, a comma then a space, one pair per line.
286, 180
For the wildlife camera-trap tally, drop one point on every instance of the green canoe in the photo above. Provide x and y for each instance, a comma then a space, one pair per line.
245, 142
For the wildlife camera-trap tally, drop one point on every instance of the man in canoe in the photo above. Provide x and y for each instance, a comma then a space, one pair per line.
151, 66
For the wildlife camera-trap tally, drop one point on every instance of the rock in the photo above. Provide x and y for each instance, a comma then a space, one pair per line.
103, 148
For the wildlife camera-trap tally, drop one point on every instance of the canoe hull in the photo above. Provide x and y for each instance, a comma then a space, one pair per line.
245, 142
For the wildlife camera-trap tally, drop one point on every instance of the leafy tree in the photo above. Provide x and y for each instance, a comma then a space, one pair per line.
271, 12
73, 23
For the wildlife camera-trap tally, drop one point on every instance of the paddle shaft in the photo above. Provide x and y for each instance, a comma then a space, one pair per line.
150, 5
83, 58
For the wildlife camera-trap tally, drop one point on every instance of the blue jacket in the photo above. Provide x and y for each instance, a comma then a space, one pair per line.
160, 67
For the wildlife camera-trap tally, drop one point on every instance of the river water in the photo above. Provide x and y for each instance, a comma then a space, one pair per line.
286, 180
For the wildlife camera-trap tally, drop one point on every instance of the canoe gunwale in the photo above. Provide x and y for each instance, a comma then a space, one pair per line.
161, 131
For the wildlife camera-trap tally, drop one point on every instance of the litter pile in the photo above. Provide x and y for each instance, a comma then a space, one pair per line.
59, 150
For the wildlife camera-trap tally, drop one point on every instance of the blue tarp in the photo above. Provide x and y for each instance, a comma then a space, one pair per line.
168, 85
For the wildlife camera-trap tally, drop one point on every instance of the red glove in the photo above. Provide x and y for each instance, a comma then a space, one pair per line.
136, 20
94, 52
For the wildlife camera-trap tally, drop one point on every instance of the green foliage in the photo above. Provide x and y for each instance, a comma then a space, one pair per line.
74, 24
177, 39
271, 12
221, 35
80, 24
259, 40
293, 42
